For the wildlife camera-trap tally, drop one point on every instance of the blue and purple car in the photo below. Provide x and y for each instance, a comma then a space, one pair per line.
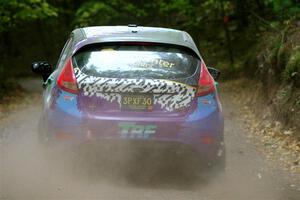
131, 83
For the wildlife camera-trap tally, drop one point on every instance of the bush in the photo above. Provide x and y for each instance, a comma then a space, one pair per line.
292, 69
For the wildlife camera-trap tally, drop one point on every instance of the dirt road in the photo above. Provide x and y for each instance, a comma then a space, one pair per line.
26, 174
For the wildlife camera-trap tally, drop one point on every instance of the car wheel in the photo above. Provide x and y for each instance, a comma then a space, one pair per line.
218, 166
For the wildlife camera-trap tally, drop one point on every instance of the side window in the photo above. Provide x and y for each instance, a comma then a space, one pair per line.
64, 54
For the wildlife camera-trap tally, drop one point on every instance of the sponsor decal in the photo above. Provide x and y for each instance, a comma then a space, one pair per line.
133, 130
154, 64
169, 95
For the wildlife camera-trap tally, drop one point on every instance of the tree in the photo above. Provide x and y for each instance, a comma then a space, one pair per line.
15, 12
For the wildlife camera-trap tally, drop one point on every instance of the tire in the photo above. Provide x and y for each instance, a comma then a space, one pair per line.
42, 139
219, 165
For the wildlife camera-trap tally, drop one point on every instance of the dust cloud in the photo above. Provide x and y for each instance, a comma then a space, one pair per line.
30, 171
110, 171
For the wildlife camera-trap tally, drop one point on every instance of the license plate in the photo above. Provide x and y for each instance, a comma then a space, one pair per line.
137, 102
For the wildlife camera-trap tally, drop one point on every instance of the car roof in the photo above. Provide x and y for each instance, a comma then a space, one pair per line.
100, 34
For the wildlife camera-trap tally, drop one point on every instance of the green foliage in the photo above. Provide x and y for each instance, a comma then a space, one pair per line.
292, 70
275, 46
278, 5
14, 12
94, 13
54, 19
178, 13
108, 13
282, 57
212, 7
172, 13
286, 8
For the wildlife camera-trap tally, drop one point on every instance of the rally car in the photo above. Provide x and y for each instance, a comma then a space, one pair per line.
131, 83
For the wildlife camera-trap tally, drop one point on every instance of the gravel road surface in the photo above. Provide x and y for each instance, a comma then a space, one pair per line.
26, 173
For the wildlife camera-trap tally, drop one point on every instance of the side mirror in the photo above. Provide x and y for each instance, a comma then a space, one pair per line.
43, 68
214, 73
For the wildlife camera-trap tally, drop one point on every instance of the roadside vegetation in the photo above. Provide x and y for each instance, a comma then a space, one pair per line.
272, 67
255, 39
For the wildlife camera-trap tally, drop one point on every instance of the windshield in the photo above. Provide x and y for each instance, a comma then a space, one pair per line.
137, 60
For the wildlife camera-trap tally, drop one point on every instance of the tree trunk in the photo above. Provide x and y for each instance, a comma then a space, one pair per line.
227, 35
